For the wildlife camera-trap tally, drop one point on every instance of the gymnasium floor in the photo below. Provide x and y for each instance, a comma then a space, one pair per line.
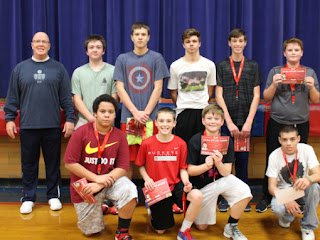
44, 224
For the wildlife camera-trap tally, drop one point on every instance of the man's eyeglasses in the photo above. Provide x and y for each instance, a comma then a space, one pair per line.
40, 41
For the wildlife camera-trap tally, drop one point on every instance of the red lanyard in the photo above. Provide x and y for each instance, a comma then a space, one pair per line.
237, 78
215, 172
295, 168
100, 149
293, 95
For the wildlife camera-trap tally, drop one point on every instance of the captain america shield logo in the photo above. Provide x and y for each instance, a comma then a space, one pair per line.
139, 78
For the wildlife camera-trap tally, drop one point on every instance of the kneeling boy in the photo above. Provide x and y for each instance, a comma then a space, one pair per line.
99, 152
164, 156
289, 166
212, 175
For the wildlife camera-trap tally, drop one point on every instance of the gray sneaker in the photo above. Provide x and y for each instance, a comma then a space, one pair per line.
231, 230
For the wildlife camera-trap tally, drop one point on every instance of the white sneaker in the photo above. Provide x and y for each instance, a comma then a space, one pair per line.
283, 223
26, 207
307, 234
55, 204
231, 230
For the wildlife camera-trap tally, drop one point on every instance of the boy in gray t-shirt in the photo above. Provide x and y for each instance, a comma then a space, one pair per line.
139, 75
290, 104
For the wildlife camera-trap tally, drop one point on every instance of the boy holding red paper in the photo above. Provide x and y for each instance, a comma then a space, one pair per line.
164, 156
238, 94
211, 174
289, 104
100, 153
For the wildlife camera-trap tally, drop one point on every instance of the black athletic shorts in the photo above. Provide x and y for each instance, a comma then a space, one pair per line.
161, 212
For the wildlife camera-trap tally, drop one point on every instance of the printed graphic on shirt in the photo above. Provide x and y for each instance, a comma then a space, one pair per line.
286, 175
104, 161
39, 76
90, 150
164, 156
193, 81
139, 78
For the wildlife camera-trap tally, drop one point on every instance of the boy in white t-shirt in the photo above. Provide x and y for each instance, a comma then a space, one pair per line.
194, 78
289, 166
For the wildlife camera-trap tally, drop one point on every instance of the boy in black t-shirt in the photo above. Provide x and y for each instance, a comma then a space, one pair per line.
212, 176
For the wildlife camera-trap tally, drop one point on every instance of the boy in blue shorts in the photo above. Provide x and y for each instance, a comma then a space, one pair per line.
212, 176
164, 156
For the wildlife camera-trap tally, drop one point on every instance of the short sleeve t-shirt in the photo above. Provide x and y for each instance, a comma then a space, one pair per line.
195, 158
191, 81
138, 73
277, 167
282, 109
163, 159
90, 84
250, 78
83, 149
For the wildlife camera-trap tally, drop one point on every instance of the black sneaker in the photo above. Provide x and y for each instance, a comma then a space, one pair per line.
223, 205
248, 208
262, 206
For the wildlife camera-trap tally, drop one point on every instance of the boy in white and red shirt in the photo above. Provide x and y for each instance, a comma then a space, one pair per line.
164, 156
99, 152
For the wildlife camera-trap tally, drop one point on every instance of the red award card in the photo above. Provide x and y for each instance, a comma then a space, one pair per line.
242, 144
210, 143
78, 185
161, 191
132, 129
293, 75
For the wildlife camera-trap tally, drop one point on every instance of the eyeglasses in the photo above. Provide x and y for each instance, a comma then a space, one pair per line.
40, 41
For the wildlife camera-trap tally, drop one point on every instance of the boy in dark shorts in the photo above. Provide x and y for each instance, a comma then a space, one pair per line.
164, 156
211, 174
99, 152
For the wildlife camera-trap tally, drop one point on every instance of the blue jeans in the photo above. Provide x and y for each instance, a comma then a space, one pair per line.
310, 219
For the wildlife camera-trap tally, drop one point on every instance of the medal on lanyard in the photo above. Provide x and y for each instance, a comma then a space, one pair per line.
293, 175
293, 94
100, 149
236, 78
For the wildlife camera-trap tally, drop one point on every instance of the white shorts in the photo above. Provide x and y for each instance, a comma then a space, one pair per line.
90, 216
230, 187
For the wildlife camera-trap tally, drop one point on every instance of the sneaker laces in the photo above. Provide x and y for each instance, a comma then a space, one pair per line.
235, 230
187, 233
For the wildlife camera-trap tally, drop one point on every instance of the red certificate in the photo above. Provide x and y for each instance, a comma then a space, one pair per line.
161, 191
78, 185
293, 75
133, 130
242, 144
211, 143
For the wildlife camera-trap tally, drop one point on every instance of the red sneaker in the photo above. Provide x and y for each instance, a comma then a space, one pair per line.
123, 235
176, 209
113, 210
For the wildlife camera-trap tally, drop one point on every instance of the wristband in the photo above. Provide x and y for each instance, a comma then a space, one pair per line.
310, 179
